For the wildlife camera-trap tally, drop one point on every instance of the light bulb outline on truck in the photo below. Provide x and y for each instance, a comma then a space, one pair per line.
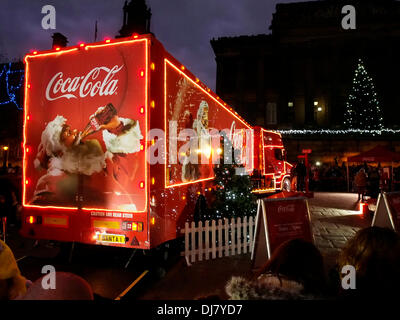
159, 217
26, 113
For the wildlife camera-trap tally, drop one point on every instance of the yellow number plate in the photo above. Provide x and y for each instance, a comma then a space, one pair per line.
111, 238
106, 224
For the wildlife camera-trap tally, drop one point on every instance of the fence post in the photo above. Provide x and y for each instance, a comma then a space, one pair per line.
187, 230
226, 240
193, 238
233, 238
213, 240
220, 248
207, 235
239, 235
245, 234
251, 225
200, 233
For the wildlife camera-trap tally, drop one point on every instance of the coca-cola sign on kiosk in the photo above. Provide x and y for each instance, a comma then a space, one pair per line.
281, 218
86, 129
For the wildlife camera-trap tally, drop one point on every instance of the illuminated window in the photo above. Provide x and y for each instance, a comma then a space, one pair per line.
290, 104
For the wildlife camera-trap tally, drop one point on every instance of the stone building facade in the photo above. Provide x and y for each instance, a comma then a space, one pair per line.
300, 74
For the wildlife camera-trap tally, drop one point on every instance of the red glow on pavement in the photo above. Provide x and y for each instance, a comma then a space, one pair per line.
363, 208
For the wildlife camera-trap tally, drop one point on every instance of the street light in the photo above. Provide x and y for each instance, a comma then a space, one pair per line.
5, 156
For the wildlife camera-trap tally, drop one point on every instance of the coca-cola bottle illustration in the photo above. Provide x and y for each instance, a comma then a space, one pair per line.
102, 116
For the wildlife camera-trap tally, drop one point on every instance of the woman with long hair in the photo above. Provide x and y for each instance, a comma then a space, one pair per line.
294, 271
374, 253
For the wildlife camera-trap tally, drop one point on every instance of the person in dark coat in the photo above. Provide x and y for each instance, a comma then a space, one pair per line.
360, 181
301, 171
373, 179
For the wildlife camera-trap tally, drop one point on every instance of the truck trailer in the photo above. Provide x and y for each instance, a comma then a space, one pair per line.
120, 140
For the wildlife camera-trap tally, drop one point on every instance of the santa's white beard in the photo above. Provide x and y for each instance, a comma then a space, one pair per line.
86, 158
127, 142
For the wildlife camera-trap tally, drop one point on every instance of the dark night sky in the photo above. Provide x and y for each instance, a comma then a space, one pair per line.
185, 27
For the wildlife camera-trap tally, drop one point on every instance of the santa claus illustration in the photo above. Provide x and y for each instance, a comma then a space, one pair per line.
69, 156
201, 144
64, 160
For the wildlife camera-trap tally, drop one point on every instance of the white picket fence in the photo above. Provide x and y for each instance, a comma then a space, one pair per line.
218, 238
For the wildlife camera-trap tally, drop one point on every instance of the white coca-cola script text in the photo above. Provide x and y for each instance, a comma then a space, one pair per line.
90, 84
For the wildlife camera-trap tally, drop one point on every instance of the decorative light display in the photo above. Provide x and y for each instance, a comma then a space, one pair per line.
339, 132
362, 107
363, 114
233, 196
11, 91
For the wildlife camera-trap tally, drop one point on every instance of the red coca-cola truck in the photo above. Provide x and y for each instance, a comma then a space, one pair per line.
109, 152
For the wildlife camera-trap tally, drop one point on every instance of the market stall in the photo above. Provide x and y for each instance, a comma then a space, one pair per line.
378, 154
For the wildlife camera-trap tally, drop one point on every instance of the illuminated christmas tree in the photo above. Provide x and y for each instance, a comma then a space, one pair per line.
362, 108
232, 194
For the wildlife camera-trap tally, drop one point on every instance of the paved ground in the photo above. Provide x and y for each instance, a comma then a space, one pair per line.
335, 219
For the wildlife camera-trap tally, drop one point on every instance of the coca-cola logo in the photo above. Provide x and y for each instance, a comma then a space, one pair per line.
286, 209
90, 84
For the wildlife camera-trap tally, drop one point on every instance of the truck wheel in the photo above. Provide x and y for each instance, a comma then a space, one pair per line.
286, 184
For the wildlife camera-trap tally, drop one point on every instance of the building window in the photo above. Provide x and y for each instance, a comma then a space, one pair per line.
271, 113
290, 104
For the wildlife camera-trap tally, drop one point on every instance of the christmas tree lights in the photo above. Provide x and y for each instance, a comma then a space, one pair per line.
232, 194
11, 90
362, 108
363, 115
339, 132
